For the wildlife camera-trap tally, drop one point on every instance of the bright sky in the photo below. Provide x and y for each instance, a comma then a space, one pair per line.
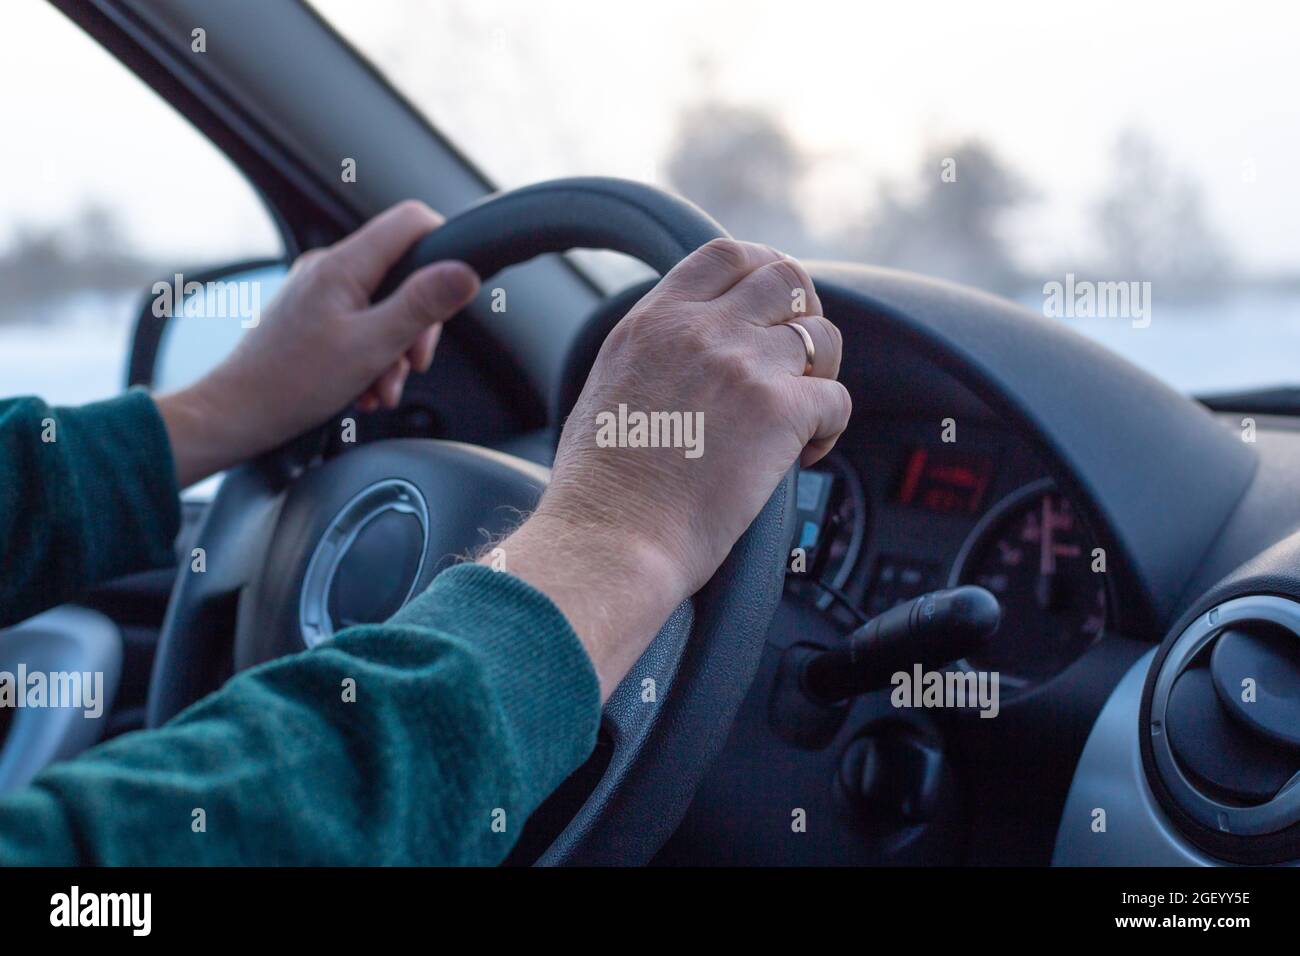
533, 89
79, 127
539, 88
536, 89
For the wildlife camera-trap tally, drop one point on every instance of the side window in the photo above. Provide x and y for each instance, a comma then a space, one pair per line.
105, 191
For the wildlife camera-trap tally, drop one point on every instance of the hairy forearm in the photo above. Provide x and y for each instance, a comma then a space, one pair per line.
616, 592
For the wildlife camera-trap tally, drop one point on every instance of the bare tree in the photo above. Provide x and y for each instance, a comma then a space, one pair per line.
88, 253
1153, 225
744, 168
950, 222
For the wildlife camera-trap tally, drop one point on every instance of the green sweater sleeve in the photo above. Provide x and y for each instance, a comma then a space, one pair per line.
86, 494
425, 740
428, 739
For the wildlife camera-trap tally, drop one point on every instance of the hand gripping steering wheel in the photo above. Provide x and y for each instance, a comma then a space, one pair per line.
266, 544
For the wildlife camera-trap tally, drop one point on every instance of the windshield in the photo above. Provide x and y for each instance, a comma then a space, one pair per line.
1123, 169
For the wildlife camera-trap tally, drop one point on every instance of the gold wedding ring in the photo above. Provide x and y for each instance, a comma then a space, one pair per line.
810, 350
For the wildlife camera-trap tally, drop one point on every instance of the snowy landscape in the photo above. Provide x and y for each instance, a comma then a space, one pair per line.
1249, 340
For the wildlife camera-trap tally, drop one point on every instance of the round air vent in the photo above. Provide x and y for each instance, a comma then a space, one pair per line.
1221, 717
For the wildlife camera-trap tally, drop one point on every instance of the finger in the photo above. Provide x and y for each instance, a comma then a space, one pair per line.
777, 291
305, 259
791, 352
367, 254
428, 296
420, 354
390, 384
369, 401
825, 406
715, 267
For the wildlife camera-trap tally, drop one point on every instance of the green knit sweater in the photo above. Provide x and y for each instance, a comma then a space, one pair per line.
471, 704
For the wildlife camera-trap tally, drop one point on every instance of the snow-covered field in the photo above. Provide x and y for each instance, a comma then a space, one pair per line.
77, 355
1247, 341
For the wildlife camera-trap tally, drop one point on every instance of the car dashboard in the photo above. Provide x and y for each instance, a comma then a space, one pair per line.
934, 486
906, 505
1099, 508
912, 506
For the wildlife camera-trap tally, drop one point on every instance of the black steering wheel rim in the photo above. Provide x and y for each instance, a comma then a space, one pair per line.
703, 660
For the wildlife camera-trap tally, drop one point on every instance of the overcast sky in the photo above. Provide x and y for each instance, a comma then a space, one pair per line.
78, 128
537, 88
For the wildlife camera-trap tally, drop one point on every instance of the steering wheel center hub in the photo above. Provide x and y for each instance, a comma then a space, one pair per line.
367, 562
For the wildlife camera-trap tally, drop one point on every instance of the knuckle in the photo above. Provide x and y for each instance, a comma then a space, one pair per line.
332, 262
842, 403
724, 252
837, 337
829, 333
621, 335
413, 209
629, 338
306, 259
793, 274
759, 389
669, 319
312, 267
732, 367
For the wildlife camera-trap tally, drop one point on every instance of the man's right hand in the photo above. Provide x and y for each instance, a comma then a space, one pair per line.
625, 534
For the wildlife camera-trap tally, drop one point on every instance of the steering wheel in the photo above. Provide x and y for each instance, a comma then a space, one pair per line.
353, 530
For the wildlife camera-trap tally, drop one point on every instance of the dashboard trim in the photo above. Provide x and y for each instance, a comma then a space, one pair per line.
1116, 438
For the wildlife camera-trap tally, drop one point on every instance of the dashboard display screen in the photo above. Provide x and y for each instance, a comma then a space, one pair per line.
945, 480
830, 525
812, 500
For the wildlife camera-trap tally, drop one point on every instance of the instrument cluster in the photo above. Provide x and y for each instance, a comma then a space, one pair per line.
883, 520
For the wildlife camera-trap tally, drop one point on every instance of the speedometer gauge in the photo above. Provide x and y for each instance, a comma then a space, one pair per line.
1034, 553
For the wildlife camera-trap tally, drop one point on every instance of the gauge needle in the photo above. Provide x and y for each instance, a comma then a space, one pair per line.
1047, 547
1045, 591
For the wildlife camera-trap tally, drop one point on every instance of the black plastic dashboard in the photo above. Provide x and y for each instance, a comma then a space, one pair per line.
925, 499
1173, 496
